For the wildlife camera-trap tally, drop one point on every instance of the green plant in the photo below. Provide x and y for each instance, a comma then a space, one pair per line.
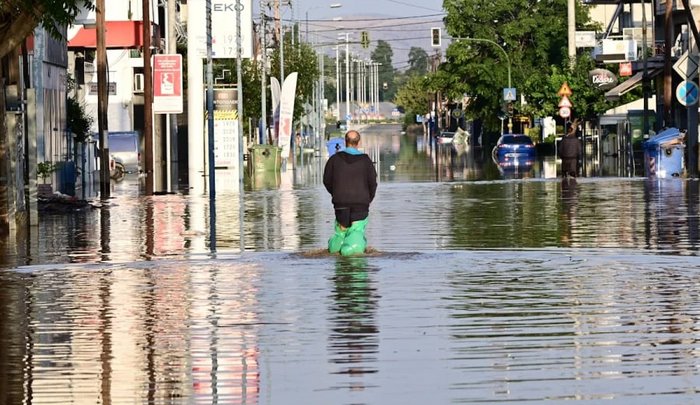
77, 120
44, 170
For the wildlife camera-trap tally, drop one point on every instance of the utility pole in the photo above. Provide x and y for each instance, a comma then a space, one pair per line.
571, 14
102, 127
278, 21
645, 72
263, 75
668, 74
171, 133
147, 97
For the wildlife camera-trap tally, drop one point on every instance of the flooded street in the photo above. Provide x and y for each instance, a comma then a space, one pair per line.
483, 285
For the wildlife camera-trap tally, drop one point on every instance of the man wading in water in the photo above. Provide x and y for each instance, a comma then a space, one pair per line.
350, 178
570, 152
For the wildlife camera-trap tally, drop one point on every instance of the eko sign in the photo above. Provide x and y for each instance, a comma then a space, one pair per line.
223, 30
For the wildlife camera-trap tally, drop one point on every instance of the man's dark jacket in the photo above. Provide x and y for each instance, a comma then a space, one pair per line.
352, 182
569, 151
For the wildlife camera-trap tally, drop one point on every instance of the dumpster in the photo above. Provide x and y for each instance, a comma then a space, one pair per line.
664, 154
264, 158
334, 145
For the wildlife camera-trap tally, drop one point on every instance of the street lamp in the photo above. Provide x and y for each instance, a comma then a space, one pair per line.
510, 119
333, 5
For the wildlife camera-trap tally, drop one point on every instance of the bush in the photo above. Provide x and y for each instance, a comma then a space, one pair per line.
44, 170
77, 121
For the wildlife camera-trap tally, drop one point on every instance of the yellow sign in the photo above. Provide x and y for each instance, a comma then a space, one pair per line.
564, 90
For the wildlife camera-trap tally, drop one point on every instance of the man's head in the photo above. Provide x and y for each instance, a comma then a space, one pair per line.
352, 138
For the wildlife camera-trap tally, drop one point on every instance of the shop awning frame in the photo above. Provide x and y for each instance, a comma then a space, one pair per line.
118, 35
628, 85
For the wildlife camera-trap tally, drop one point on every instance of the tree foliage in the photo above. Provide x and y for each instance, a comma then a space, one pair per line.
18, 18
383, 53
413, 97
418, 61
298, 57
533, 35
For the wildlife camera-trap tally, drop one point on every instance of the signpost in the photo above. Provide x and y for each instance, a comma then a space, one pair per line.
565, 104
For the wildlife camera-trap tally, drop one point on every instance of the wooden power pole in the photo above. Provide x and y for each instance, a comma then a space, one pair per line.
102, 102
147, 98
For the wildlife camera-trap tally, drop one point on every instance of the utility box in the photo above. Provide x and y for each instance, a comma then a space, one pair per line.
664, 154
264, 158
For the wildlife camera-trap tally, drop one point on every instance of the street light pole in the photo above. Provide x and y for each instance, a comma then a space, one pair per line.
510, 119
347, 75
337, 82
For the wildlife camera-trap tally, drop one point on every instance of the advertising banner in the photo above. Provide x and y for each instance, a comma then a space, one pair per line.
287, 113
167, 84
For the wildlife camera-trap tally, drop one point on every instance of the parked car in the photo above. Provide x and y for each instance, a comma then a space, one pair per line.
512, 146
445, 137
124, 153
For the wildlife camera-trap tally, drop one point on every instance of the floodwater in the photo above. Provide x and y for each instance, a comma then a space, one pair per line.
485, 286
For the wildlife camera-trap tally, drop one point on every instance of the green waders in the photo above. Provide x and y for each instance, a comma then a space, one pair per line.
349, 241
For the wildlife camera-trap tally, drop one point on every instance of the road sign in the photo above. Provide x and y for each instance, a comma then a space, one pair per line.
509, 94
687, 93
564, 90
565, 102
565, 112
686, 66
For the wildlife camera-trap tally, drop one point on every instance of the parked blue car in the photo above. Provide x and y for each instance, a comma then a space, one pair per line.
514, 146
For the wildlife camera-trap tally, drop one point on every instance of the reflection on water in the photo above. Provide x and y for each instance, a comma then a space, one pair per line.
354, 340
484, 289
470, 327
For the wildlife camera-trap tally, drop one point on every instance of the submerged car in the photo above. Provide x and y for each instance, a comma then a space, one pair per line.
124, 153
512, 146
445, 137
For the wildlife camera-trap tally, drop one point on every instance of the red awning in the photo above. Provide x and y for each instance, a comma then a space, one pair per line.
119, 35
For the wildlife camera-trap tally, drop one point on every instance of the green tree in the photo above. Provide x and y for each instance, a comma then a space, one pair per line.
330, 84
418, 61
414, 98
533, 35
18, 18
588, 101
383, 54
299, 57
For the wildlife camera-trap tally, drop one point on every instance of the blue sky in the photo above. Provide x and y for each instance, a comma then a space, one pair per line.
382, 19
393, 8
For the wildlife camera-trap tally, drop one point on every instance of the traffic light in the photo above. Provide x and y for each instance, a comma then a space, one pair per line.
364, 39
436, 37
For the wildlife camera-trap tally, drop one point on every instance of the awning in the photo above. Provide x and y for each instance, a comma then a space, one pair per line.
629, 84
118, 35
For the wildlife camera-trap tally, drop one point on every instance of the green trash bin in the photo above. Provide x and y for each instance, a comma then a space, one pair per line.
265, 158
